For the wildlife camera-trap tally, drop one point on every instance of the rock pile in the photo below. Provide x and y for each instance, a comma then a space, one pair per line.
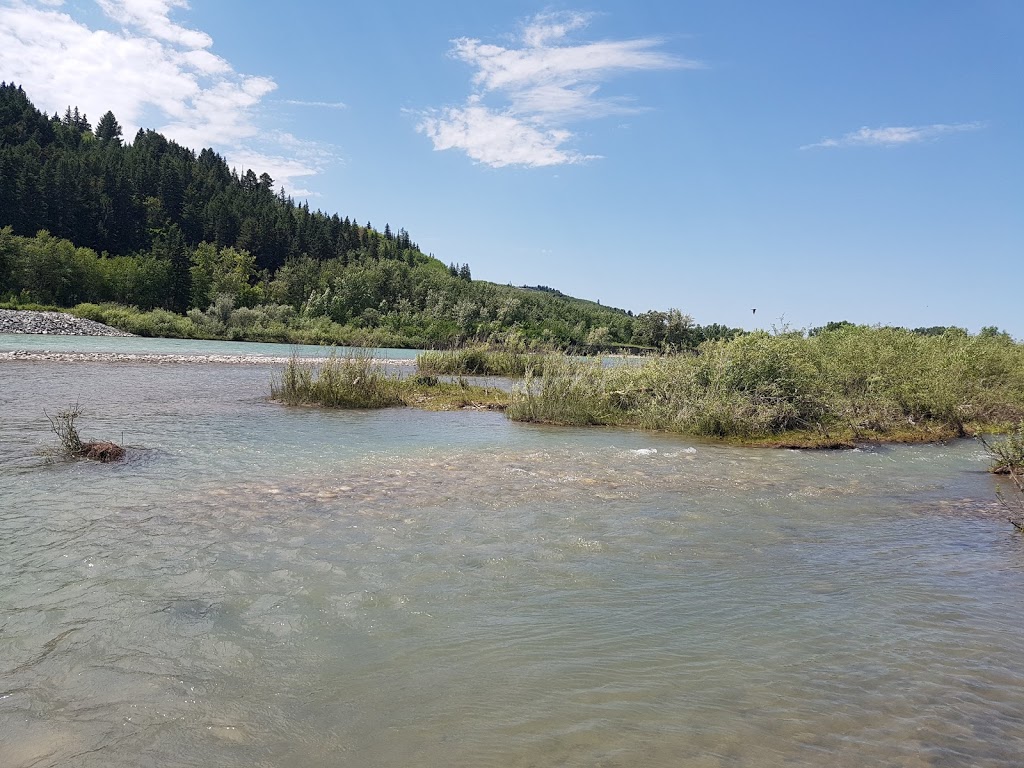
53, 323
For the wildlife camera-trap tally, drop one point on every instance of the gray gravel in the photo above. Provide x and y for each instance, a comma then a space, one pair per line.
53, 323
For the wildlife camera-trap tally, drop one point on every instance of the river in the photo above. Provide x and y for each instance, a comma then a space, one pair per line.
260, 585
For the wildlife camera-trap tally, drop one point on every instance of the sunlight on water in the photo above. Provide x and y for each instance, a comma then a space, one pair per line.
268, 586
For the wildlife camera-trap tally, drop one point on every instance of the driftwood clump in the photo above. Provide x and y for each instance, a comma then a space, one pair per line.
63, 425
102, 451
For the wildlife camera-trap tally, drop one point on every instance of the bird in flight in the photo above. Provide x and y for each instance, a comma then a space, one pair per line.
753, 311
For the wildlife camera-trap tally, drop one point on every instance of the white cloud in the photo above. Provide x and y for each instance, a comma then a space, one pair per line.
497, 139
324, 104
541, 88
153, 17
894, 136
152, 69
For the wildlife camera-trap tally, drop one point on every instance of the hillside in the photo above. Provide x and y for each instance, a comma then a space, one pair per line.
90, 218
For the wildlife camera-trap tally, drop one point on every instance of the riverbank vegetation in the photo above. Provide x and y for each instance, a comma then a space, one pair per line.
833, 388
1008, 459
358, 381
1007, 453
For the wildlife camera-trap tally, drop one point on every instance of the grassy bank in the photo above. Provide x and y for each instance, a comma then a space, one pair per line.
832, 389
357, 381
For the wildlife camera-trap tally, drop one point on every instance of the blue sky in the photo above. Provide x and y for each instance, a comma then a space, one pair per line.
814, 160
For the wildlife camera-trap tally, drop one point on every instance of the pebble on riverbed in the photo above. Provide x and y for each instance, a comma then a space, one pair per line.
53, 323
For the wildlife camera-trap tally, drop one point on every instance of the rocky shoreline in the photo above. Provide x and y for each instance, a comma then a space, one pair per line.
53, 323
150, 358
62, 324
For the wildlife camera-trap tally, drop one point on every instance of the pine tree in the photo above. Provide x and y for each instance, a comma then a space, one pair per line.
108, 130
170, 245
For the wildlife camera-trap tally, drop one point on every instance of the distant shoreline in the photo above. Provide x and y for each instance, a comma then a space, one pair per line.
167, 359
45, 324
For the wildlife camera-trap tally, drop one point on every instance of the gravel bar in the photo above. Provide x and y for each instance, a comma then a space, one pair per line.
53, 324
26, 355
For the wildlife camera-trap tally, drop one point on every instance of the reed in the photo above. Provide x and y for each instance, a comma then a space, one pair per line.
569, 392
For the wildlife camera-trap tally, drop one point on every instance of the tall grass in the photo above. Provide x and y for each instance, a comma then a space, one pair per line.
566, 392
839, 386
357, 381
481, 361
352, 381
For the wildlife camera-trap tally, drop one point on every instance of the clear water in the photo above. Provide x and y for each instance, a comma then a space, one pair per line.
260, 585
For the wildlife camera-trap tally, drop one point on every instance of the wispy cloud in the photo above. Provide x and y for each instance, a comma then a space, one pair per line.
152, 68
894, 136
324, 104
537, 90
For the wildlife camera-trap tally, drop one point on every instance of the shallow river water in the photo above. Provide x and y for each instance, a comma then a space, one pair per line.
260, 585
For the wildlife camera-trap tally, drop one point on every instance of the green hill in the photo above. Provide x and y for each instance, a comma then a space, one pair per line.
90, 218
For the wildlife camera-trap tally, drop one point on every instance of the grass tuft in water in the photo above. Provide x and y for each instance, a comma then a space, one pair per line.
354, 380
481, 361
357, 381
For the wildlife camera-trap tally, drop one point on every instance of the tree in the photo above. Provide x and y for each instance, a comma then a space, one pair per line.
108, 130
169, 246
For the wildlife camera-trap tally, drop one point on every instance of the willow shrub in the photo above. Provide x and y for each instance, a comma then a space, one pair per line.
880, 377
1007, 454
852, 380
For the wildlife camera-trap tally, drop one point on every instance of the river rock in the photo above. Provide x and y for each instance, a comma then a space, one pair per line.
53, 323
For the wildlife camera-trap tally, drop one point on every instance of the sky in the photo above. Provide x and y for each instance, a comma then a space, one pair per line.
812, 161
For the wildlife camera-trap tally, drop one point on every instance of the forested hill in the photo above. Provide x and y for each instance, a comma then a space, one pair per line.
152, 224
89, 186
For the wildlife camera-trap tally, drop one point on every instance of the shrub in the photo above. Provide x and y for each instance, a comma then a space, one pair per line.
1007, 454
